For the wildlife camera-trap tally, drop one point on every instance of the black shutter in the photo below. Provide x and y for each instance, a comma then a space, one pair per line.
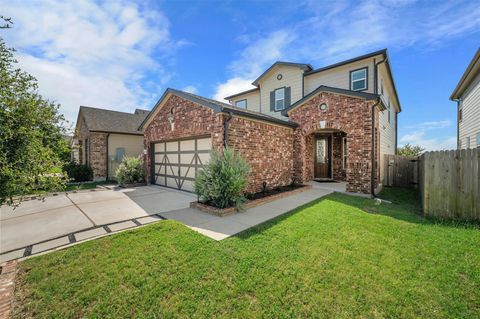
287, 97
272, 101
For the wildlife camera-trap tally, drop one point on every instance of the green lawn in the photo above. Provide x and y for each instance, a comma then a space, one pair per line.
340, 257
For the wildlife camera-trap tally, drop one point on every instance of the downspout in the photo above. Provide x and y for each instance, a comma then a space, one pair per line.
374, 150
225, 129
108, 135
374, 133
458, 122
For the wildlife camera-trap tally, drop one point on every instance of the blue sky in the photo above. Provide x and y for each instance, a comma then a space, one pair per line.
122, 55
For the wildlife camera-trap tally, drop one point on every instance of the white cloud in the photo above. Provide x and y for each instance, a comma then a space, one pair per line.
190, 89
232, 86
418, 136
430, 144
338, 30
88, 53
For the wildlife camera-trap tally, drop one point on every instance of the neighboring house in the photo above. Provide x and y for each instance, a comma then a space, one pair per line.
297, 125
103, 137
467, 95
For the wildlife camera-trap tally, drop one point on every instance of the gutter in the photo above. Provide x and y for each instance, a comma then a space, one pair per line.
225, 129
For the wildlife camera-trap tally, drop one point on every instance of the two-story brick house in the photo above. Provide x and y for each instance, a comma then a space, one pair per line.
297, 124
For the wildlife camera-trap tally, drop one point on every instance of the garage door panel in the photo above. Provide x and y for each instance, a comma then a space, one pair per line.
203, 158
187, 145
187, 158
204, 144
172, 158
160, 169
159, 158
177, 162
160, 147
172, 146
187, 172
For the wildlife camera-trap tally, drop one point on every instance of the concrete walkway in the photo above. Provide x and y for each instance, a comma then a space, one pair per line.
219, 228
37, 226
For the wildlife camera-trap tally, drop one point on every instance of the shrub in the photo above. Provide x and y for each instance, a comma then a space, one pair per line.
78, 172
223, 181
130, 171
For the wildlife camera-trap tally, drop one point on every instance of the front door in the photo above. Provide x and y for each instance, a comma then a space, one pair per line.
322, 157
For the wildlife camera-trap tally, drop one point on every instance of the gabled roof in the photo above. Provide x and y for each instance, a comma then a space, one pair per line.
102, 120
241, 93
358, 58
473, 69
383, 52
217, 107
303, 66
323, 88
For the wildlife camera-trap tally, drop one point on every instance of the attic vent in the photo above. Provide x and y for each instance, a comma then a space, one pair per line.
279, 77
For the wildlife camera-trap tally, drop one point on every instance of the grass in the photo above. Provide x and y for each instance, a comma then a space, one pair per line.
88, 185
339, 257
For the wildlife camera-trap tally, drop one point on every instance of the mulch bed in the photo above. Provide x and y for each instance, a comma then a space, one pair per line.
253, 200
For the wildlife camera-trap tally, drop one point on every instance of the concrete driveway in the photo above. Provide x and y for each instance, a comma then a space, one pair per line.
36, 221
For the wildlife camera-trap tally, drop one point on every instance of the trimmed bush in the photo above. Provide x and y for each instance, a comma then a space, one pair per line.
78, 172
130, 171
223, 181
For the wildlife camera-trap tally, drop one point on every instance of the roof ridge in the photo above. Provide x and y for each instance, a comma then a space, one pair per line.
107, 110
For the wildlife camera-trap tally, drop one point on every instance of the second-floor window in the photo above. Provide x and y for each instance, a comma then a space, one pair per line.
241, 103
358, 80
279, 99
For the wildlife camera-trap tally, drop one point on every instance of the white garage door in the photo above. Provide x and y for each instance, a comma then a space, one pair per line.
178, 162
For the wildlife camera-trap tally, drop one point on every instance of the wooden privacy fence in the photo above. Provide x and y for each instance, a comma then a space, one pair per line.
449, 184
401, 171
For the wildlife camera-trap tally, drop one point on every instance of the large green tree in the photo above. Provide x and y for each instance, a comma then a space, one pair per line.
31, 134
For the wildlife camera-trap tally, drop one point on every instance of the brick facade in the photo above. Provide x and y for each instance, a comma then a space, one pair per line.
278, 155
190, 120
349, 115
93, 151
98, 155
266, 147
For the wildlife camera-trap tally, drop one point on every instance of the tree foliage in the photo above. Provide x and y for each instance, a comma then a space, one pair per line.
31, 134
223, 180
410, 150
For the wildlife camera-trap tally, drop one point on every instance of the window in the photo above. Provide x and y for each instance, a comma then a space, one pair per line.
119, 154
358, 80
344, 152
478, 139
279, 99
241, 103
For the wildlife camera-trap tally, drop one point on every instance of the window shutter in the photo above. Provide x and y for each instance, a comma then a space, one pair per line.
287, 97
272, 101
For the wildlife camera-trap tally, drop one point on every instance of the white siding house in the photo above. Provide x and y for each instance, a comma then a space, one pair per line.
467, 96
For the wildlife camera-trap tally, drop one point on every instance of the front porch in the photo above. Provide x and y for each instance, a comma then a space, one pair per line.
334, 159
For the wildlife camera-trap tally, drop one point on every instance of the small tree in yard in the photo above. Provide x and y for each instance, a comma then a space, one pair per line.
130, 171
410, 150
224, 180
31, 134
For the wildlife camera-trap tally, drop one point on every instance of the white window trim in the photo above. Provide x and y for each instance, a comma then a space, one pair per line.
275, 101
365, 70
246, 103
